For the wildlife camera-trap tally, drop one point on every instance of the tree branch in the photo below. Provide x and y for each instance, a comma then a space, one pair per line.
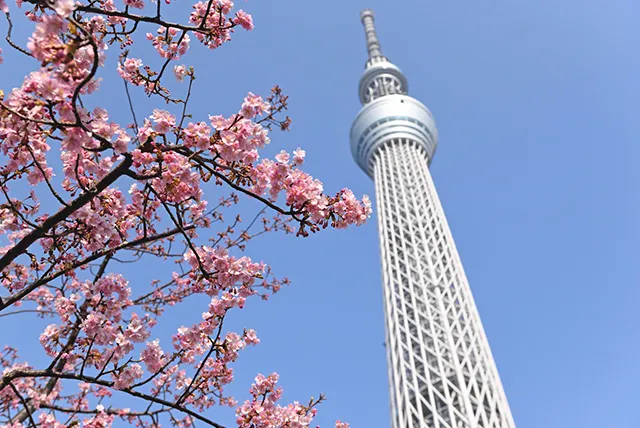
28, 373
8, 301
62, 214
27, 408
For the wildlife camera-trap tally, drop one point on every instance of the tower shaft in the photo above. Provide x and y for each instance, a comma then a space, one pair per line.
441, 370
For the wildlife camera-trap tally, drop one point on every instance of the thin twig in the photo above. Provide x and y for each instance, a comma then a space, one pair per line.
133, 112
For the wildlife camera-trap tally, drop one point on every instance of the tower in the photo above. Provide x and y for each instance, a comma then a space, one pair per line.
441, 371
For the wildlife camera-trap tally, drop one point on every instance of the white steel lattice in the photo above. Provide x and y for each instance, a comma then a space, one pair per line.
441, 371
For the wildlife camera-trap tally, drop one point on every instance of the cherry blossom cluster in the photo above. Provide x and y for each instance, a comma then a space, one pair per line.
168, 43
264, 411
305, 194
83, 195
129, 70
235, 142
213, 14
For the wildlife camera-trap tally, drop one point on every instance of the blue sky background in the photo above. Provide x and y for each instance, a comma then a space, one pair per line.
536, 105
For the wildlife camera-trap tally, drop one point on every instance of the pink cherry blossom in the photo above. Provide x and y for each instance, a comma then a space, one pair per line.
168, 43
298, 156
244, 20
197, 135
49, 421
216, 19
180, 71
64, 7
153, 356
132, 64
163, 121
136, 330
100, 420
282, 157
137, 4
49, 338
253, 105
129, 71
128, 376
121, 144
66, 306
264, 410
219, 122
250, 337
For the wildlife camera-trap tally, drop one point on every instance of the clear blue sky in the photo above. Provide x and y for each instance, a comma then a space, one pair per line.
536, 105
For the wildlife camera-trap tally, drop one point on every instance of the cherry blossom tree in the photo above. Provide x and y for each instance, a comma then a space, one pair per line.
118, 193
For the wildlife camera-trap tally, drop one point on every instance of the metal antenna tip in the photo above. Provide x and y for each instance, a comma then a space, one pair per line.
366, 13
373, 45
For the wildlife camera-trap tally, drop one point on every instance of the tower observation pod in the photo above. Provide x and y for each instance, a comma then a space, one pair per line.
441, 370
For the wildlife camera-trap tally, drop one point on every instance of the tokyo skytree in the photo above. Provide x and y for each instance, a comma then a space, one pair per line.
441, 371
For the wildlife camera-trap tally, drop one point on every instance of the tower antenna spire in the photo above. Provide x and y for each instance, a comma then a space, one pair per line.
380, 77
373, 44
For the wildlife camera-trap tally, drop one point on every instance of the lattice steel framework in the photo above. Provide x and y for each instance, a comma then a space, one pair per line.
441, 371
